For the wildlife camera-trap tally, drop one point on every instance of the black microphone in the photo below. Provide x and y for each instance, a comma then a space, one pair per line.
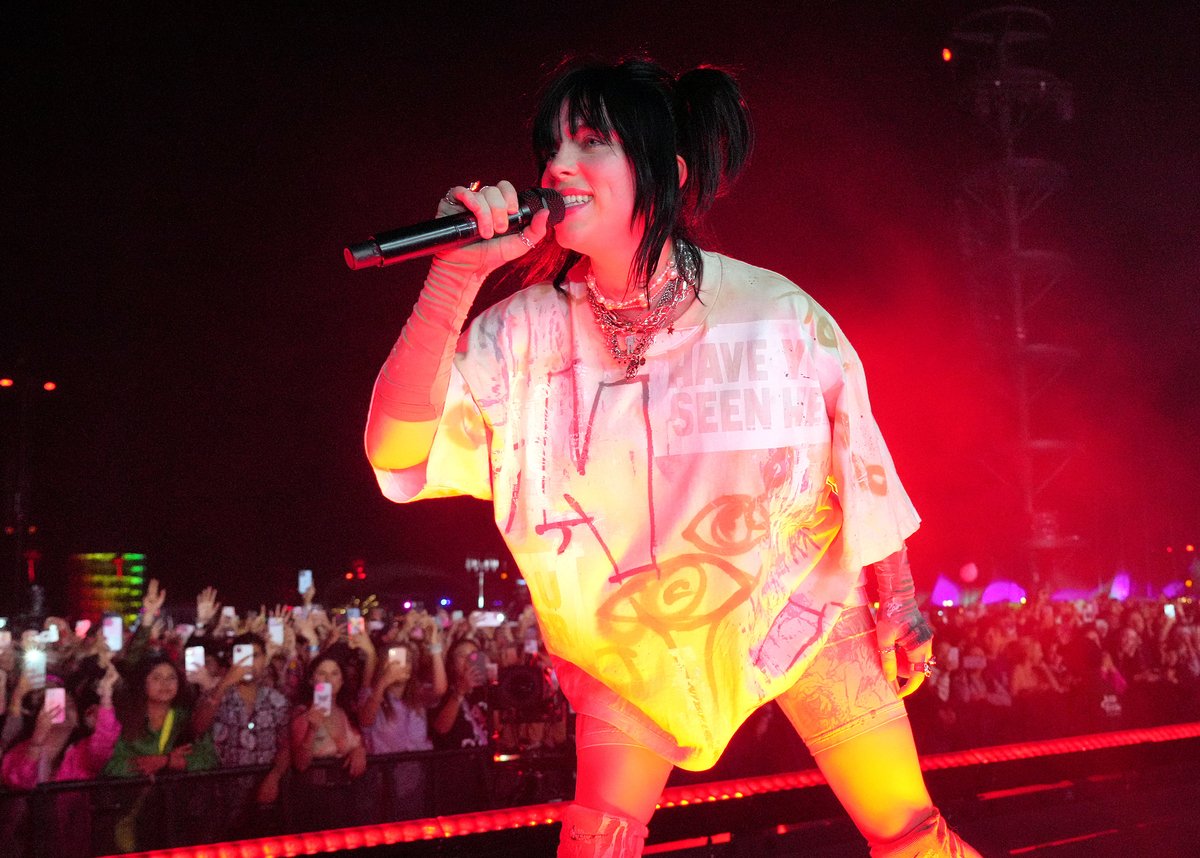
422, 239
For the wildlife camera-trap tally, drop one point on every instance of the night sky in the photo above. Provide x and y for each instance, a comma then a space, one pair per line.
179, 184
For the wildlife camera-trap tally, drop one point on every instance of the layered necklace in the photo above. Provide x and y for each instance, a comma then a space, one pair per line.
628, 339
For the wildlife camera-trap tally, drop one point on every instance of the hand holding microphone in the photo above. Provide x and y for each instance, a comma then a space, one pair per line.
470, 217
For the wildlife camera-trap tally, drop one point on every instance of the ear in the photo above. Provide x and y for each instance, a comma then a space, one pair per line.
682, 170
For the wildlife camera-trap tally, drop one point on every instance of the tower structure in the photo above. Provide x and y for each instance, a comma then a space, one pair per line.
999, 58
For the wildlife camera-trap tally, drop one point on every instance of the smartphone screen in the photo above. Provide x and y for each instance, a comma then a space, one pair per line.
243, 657
35, 668
323, 697
356, 625
82, 627
304, 581
229, 611
194, 659
531, 646
1169, 611
398, 655
456, 616
50, 633
355, 613
114, 633
275, 630
56, 702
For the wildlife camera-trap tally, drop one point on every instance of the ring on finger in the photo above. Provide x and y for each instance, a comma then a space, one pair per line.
887, 649
521, 235
926, 667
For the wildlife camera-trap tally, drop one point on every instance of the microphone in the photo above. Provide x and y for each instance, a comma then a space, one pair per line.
422, 239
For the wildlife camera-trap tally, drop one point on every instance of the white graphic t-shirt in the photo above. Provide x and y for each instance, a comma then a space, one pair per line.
689, 536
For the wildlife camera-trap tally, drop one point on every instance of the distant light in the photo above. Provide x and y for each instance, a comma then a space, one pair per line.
1023, 600
947, 603
49, 386
445, 603
6, 382
1188, 583
362, 575
408, 606
349, 576
947, 55
1190, 548
1170, 549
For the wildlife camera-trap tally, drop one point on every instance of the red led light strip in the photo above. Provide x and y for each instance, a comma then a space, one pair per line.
367, 836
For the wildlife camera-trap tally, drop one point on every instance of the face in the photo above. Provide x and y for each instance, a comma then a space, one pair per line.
162, 684
329, 671
596, 179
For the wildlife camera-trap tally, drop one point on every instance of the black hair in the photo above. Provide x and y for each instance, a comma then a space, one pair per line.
347, 696
249, 638
699, 115
131, 708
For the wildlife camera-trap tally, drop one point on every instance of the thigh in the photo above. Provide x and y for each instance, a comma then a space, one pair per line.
877, 778
616, 774
843, 693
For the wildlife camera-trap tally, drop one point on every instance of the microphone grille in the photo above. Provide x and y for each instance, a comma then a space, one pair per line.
553, 201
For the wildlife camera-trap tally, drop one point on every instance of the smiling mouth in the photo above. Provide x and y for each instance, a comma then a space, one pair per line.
575, 200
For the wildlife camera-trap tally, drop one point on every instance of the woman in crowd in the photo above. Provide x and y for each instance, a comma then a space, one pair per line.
393, 709
326, 729
76, 748
155, 737
155, 732
682, 458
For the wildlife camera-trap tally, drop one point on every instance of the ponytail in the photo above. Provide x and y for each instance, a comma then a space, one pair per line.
715, 135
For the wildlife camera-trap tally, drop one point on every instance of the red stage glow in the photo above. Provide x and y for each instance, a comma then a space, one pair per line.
947, 55
548, 814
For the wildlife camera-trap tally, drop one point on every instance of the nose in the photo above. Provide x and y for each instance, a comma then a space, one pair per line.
562, 164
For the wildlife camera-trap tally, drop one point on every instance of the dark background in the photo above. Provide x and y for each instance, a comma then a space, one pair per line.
179, 184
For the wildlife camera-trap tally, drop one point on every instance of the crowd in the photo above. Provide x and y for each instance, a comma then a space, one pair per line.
1017, 672
305, 698
302, 696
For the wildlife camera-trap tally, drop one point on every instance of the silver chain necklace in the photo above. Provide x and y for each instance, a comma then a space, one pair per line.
629, 339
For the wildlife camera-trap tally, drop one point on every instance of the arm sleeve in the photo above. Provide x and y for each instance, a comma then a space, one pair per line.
20, 767
98, 747
120, 764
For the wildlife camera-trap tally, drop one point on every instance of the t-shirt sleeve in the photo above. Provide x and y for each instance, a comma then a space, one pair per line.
877, 513
458, 461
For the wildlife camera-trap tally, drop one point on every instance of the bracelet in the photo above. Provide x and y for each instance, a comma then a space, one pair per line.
436, 649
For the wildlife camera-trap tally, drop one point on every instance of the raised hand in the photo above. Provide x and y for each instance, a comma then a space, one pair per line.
207, 606
152, 602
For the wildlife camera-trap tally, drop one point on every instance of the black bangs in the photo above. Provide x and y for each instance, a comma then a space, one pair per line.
583, 95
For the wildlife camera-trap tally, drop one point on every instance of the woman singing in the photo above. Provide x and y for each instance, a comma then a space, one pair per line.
682, 459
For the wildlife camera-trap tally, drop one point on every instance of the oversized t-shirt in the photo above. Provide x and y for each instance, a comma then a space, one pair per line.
689, 536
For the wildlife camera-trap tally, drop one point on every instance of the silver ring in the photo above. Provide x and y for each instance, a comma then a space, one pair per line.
521, 235
887, 649
926, 667
449, 199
